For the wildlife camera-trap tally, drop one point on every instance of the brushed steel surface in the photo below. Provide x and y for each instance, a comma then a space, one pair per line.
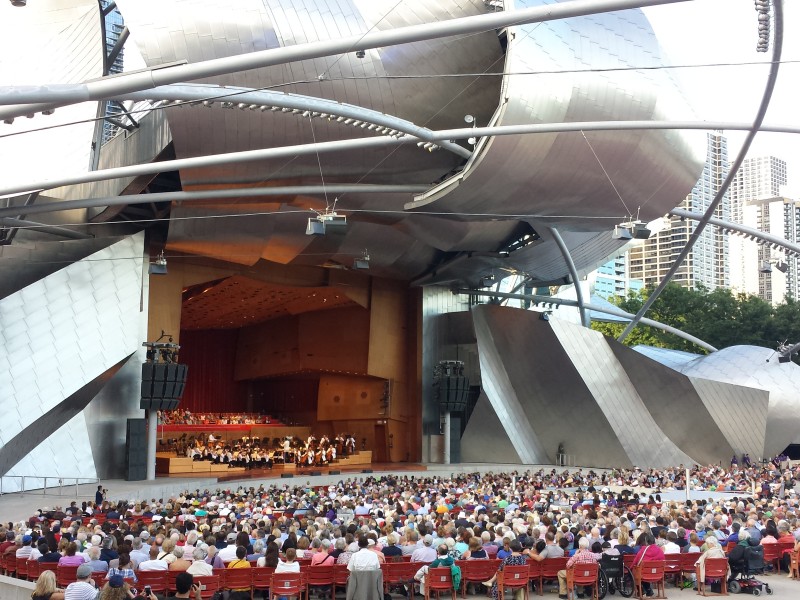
537, 392
670, 397
544, 174
747, 366
611, 405
57, 335
633, 424
485, 440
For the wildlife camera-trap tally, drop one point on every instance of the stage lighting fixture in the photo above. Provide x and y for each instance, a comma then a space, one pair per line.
781, 266
315, 227
19, 2
640, 230
362, 263
333, 221
360, 54
159, 265
545, 316
765, 267
784, 359
621, 233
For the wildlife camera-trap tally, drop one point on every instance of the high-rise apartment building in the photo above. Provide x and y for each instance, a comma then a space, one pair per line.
707, 263
757, 178
613, 278
770, 274
114, 26
756, 202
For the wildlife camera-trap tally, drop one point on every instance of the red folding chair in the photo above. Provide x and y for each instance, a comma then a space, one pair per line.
157, 580
10, 564
239, 579
208, 584
673, 568
584, 574
474, 571
99, 578
794, 564
550, 569
22, 568
288, 584
320, 576
439, 580
652, 572
262, 577
687, 563
513, 577
341, 575
397, 574
171, 577
34, 569
716, 570
65, 575
535, 572
772, 555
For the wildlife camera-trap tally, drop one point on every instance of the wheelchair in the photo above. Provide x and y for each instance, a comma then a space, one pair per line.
614, 576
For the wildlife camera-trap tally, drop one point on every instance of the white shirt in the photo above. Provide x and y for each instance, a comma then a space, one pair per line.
671, 548
287, 567
364, 560
154, 565
228, 553
200, 568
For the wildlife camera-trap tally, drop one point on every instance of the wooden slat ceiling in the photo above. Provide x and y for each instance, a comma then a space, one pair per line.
239, 301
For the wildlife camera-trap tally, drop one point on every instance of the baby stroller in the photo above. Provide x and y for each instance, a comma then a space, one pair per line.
743, 574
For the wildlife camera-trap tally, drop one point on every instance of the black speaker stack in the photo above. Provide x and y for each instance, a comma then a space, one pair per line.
162, 385
136, 450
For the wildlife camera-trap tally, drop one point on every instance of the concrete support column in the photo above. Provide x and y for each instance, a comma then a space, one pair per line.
152, 433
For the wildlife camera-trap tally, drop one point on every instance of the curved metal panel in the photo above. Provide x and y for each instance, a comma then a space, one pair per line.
551, 174
747, 366
524, 370
544, 376
58, 41
563, 173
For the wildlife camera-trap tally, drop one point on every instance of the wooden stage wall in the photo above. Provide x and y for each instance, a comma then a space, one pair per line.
355, 355
228, 432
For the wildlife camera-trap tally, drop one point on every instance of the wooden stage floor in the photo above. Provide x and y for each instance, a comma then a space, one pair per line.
276, 472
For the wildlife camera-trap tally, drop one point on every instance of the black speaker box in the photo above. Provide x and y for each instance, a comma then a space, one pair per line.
315, 473
286, 475
366, 470
334, 472
136, 450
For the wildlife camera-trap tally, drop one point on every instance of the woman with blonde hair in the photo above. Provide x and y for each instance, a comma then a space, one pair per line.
46, 587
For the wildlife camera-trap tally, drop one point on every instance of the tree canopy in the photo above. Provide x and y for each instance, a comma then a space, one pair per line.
718, 317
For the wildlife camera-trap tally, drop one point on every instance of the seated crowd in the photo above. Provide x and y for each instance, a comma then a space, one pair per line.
515, 517
182, 416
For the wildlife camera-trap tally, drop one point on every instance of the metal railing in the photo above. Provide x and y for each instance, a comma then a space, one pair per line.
41, 486
565, 460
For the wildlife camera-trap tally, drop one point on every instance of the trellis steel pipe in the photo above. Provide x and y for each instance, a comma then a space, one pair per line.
617, 312
38, 98
777, 50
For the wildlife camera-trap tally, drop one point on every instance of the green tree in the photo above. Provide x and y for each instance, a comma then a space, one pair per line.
718, 317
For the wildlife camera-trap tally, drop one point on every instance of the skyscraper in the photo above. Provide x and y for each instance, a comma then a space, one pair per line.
706, 264
613, 279
756, 202
114, 25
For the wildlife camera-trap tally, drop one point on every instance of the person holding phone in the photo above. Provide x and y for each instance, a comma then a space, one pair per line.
185, 587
